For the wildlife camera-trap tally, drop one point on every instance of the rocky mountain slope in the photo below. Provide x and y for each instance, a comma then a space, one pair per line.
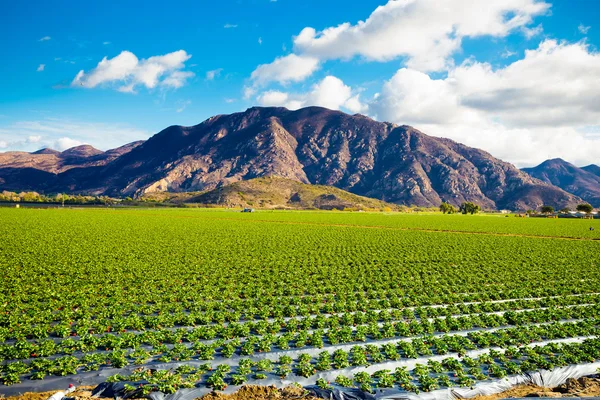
570, 178
397, 164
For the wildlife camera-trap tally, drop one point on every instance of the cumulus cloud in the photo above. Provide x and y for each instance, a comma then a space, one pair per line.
45, 39
65, 143
41, 67
291, 68
330, 92
125, 72
230, 26
525, 112
425, 32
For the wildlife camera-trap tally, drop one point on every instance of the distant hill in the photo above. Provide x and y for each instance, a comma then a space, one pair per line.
313, 145
592, 168
273, 192
579, 181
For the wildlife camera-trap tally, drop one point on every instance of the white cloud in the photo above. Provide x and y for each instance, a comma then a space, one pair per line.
126, 71
41, 67
426, 32
65, 143
45, 39
3, 144
331, 93
62, 133
291, 68
105, 43
583, 29
212, 74
260, 40
229, 101
538, 107
229, 26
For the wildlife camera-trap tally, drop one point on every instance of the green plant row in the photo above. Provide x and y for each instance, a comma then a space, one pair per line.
263, 336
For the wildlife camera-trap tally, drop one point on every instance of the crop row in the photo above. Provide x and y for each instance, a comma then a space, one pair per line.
294, 332
305, 365
80, 322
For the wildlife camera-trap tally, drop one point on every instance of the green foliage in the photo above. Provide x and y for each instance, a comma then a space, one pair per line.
585, 208
469, 208
138, 286
447, 208
547, 209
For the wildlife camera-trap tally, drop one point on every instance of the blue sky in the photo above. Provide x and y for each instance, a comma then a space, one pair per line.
475, 84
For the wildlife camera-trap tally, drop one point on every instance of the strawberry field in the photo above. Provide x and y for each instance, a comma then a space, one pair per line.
211, 298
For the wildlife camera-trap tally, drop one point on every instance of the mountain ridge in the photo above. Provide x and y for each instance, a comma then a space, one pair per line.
570, 178
393, 163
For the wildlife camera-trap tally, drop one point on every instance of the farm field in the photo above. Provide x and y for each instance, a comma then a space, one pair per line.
215, 299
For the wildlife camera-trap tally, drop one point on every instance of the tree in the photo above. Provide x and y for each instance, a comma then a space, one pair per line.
469, 208
586, 208
565, 210
447, 208
547, 209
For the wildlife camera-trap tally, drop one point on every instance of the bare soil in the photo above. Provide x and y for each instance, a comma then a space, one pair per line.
582, 387
82, 393
249, 392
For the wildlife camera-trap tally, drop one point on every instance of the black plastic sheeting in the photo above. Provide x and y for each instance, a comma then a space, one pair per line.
337, 394
117, 390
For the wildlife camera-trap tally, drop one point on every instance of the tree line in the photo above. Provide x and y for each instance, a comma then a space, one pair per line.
59, 198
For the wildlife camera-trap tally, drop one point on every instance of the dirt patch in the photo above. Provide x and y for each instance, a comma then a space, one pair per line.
249, 392
582, 387
82, 393
252, 392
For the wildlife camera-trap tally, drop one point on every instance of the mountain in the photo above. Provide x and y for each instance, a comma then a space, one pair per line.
570, 178
273, 192
592, 168
39, 170
314, 145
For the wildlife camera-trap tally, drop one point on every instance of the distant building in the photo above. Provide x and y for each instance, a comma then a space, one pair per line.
579, 214
248, 210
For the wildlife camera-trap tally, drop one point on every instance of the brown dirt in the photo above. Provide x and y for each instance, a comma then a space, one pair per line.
82, 393
582, 387
249, 392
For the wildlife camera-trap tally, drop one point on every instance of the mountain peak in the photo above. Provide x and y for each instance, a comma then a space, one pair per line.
580, 181
313, 145
84, 150
46, 150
